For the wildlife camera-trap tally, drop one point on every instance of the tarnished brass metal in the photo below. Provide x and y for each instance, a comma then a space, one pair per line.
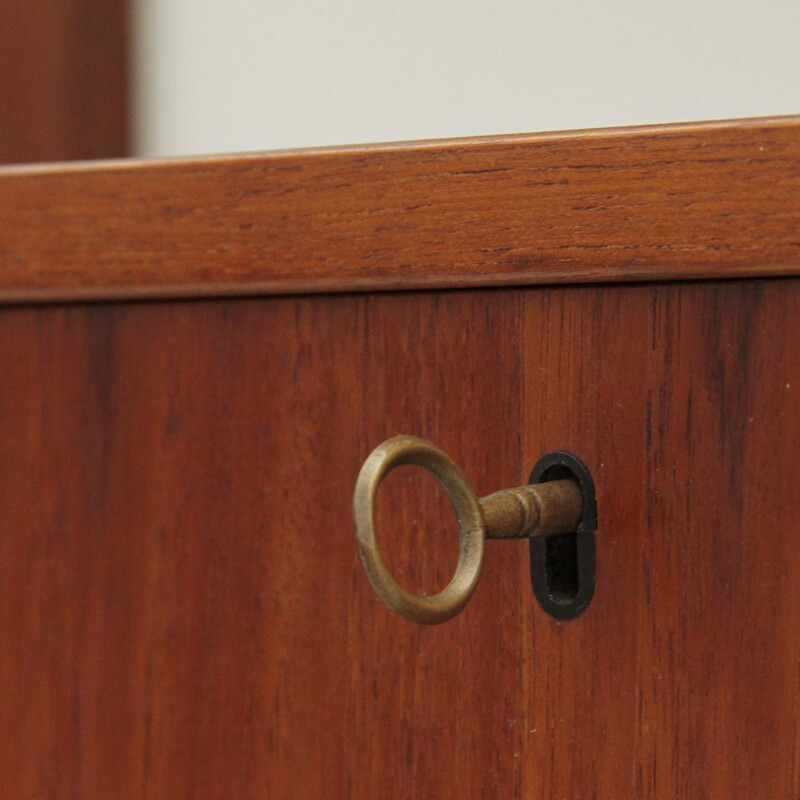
412, 450
543, 509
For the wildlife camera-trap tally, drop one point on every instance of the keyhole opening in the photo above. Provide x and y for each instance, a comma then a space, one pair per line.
561, 552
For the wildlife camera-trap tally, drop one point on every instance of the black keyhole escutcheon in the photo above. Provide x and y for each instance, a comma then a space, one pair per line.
563, 566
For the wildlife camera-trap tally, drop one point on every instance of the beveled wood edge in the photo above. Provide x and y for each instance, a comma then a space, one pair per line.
169, 163
666, 202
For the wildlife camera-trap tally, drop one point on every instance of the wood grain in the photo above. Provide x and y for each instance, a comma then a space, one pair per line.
63, 80
680, 680
668, 202
183, 613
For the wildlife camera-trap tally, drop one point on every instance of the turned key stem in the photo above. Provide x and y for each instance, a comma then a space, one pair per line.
542, 509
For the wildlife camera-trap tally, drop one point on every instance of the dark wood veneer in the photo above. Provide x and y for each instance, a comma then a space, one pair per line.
184, 614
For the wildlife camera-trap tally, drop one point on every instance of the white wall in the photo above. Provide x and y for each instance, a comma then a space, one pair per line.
237, 75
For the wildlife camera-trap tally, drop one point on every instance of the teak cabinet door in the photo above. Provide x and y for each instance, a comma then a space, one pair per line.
182, 609
184, 614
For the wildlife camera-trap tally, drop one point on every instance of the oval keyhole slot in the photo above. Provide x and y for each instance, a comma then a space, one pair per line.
563, 566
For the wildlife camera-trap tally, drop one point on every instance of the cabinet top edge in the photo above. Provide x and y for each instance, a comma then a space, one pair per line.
665, 202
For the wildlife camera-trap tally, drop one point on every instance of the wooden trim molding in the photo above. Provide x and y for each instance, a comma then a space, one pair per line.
689, 201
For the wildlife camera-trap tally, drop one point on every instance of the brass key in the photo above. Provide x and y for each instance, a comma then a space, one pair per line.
542, 509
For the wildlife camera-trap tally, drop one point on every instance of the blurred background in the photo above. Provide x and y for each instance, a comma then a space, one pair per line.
86, 79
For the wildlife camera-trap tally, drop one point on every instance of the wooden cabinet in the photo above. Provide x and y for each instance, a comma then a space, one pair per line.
197, 356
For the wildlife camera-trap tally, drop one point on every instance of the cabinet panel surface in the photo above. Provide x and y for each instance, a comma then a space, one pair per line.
183, 614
